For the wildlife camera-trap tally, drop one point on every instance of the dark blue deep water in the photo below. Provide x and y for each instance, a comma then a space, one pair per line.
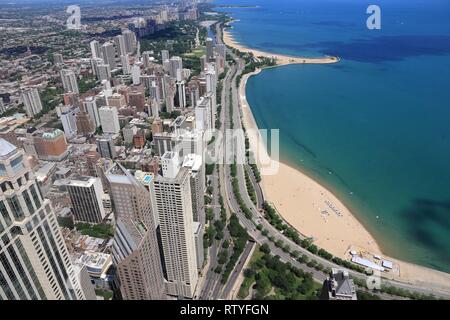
379, 120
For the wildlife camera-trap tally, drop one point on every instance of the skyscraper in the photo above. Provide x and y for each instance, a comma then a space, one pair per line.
209, 49
146, 59
108, 54
124, 59
164, 55
130, 40
176, 63
34, 261
135, 249
95, 49
195, 166
120, 45
68, 120
103, 71
172, 201
106, 147
180, 97
136, 74
69, 80
86, 197
109, 119
90, 105
32, 101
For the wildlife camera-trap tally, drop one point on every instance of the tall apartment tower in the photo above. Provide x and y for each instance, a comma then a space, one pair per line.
109, 119
90, 105
95, 49
130, 40
32, 101
106, 147
209, 49
180, 96
171, 196
86, 197
176, 63
164, 55
108, 54
120, 45
136, 74
126, 68
135, 250
69, 80
195, 166
34, 260
103, 71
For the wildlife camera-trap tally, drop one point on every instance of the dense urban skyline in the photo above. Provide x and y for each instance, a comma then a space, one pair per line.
130, 166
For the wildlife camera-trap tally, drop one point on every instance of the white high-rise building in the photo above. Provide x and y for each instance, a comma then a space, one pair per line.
95, 62
34, 260
86, 197
69, 81
146, 59
164, 55
104, 72
68, 120
130, 40
120, 45
95, 49
109, 119
211, 79
126, 68
108, 54
171, 198
90, 105
136, 74
32, 101
203, 116
175, 63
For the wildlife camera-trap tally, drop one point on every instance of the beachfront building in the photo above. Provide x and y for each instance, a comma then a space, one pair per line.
338, 286
171, 198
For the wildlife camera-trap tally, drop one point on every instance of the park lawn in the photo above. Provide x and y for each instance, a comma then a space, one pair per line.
247, 283
196, 53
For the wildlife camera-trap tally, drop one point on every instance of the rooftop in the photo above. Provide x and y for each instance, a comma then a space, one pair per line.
6, 148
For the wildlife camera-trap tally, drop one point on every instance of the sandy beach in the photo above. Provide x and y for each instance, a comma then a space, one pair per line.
281, 59
315, 212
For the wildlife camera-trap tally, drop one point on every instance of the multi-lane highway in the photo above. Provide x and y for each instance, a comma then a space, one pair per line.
258, 218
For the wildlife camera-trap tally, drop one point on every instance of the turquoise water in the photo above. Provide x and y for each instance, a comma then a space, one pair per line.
375, 127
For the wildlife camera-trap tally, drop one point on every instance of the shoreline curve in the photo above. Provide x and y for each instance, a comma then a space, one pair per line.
299, 192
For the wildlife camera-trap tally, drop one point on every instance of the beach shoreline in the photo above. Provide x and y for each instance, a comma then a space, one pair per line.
281, 59
292, 192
